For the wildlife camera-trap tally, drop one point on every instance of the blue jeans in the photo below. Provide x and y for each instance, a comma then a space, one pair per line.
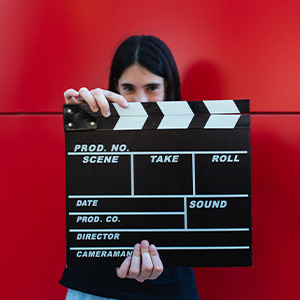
76, 295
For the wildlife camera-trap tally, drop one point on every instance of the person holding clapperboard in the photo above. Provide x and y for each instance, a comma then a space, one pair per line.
143, 70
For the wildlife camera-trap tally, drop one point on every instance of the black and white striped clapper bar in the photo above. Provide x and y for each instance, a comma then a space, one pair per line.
175, 173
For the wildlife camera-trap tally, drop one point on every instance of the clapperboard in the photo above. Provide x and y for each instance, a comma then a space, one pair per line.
175, 173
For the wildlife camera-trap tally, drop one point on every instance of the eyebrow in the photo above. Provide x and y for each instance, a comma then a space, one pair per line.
125, 84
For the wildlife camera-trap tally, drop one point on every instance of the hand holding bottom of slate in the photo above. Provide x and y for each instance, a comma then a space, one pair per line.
145, 263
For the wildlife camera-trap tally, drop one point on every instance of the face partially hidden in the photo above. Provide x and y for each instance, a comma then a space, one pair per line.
137, 84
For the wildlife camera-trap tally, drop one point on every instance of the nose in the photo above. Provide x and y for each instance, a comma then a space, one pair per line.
141, 97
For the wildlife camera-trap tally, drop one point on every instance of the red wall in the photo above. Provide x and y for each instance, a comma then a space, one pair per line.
224, 49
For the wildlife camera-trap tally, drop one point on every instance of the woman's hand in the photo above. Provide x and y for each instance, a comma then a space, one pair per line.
143, 265
96, 99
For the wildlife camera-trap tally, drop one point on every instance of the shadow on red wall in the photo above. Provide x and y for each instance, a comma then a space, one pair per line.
202, 81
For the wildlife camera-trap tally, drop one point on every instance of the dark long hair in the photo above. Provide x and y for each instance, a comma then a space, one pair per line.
151, 53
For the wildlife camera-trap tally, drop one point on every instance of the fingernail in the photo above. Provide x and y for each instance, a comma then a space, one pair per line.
152, 249
145, 243
107, 114
137, 247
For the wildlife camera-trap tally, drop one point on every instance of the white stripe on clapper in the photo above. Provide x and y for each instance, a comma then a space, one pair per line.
131, 118
177, 115
221, 107
221, 121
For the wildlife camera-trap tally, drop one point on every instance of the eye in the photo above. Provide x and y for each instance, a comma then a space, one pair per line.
152, 88
128, 89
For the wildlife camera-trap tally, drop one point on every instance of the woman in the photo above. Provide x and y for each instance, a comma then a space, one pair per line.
143, 70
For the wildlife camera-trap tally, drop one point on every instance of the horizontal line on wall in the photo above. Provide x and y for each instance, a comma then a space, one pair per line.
30, 113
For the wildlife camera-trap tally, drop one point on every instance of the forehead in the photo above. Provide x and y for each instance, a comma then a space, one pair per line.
136, 74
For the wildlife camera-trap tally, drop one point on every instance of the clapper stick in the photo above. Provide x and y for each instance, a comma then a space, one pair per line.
175, 173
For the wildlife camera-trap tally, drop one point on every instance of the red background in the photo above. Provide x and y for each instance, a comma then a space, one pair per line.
224, 50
